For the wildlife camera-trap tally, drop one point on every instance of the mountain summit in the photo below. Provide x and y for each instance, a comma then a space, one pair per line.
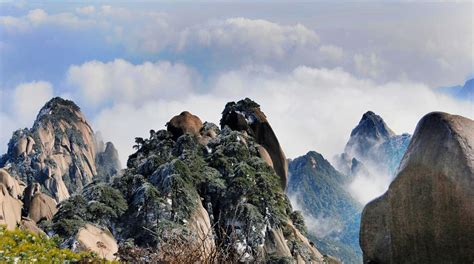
372, 147
198, 193
59, 152
370, 131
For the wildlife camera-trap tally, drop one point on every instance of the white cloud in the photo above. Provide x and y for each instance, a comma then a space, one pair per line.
123, 122
317, 106
122, 82
382, 46
39, 17
24, 104
320, 226
368, 65
28, 99
251, 38
86, 10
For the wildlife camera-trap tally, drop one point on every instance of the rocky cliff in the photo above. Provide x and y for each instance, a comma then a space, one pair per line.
196, 187
427, 215
59, 152
44, 165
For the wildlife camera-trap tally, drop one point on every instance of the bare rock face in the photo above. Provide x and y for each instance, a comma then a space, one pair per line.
200, 224
30, 225
184, 123
100, 241
59, 151
39, 206
374, 234
246, 115
14, 186
427, 215
10, 208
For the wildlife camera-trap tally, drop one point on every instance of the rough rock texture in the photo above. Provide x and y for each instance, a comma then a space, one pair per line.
30, 225
14, 186
10, 208
246, 115
429, 207
374, 234
200, 224
100, 241
107, 162
184, 123
187, 188
39, 205
58, 152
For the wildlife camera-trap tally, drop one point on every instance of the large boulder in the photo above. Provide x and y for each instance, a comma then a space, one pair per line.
245, 115
39, 206
184, 123
427, 215
98, 240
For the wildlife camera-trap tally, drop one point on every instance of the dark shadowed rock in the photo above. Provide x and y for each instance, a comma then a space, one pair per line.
108, 163
374, 236
429, 207
246, 115
184, 123
370, 131
39, 206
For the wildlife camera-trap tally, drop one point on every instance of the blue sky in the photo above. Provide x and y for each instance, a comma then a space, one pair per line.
315, 67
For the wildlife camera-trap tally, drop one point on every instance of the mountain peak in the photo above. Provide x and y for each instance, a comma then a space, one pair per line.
61, 109
372, 125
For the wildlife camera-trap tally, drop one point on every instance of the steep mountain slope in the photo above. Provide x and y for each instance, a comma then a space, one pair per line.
318, 188
59, 152
202, 189
374, 144
427, 215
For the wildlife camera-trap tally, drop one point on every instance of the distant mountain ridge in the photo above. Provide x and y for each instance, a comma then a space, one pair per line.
463, 92
323, 192
373, 146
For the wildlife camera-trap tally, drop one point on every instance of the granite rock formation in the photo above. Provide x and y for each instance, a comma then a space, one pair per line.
246, 116
427, 215
202, 184
58, 152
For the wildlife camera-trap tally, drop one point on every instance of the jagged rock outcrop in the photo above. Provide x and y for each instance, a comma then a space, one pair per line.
427, 215
191, 190
14, 186
107, 162
246, 115
98, 240
58, 152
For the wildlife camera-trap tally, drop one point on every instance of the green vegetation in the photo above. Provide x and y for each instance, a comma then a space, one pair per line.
17, 246
97, 203
319, 189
